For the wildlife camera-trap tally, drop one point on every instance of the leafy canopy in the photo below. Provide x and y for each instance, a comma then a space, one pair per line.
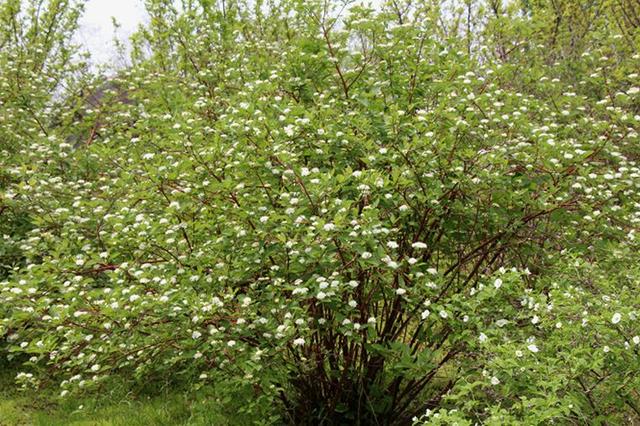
364, 214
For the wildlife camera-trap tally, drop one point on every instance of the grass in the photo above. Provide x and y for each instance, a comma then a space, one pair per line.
172, 409
23, 411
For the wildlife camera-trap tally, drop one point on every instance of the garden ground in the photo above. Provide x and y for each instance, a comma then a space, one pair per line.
18, 409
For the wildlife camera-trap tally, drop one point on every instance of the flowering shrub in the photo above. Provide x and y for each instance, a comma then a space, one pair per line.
359, 215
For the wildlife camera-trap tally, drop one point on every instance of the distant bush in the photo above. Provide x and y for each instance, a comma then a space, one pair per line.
407, 215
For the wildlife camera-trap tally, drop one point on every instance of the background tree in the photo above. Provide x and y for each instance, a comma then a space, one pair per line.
422, 212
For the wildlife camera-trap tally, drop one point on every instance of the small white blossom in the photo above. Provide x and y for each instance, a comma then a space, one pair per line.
501, 322
392, 264
289, 130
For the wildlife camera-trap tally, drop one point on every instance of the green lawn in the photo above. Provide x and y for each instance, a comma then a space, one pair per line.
174, 411
170, 410
20, 408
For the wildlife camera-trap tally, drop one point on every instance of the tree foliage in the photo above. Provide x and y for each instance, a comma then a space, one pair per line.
422, 212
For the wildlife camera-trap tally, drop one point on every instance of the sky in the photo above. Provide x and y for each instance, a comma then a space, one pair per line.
96, 30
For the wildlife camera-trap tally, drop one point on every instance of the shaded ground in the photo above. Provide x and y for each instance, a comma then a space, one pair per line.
21, 409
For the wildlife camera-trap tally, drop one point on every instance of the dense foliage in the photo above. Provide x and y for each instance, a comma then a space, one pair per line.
423, 212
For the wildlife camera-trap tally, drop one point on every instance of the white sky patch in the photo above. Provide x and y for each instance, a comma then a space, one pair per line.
96, 31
